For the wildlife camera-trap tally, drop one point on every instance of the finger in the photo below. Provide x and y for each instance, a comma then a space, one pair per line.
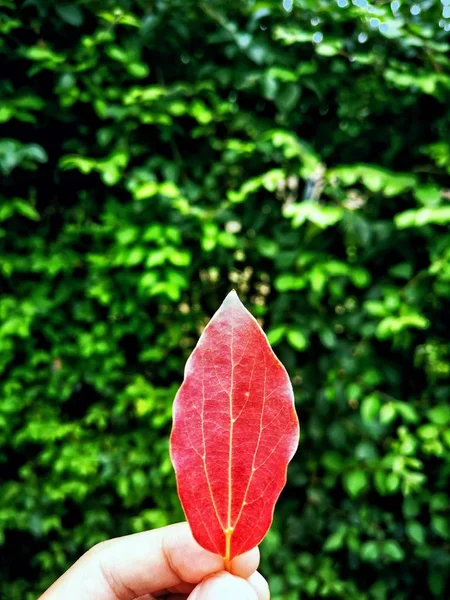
256, 580
245, 564
224, 586
260, 585
135, 565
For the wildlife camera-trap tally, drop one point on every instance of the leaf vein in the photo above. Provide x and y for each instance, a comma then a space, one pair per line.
257, 446
205, 468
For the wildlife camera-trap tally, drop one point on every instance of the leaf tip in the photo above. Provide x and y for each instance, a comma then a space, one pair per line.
231, 298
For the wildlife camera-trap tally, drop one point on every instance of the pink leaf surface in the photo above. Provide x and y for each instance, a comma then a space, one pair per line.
235, 430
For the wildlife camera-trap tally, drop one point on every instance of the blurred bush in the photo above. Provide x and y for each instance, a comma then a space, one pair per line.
155, 154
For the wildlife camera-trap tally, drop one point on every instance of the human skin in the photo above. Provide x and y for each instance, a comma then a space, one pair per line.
166, 563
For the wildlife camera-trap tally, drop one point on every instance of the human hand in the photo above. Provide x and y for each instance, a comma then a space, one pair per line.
166, 563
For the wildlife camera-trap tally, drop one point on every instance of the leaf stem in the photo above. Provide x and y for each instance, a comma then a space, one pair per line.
228, 551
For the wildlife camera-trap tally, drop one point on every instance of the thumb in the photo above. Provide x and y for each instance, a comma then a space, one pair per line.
223, 586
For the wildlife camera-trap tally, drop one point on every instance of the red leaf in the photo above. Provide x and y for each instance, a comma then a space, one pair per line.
234, 432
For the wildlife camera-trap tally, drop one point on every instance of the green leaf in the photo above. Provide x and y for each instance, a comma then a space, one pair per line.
292, 35
127, 236
428, 432
26, 210
369, 551
322, 216
333, 461
423, 216
370, 407
441, 526
297, 339
276, 334
439, 415
416, 532
407, 412
146, 190
135, 256
71, 14
179, 258
428, 194
285, 283
355, 482
446, 437
392, 482
439, 502
328, 338
118, 18
402, 271
379, 480
336, 540
328, 48
366, 451
393, 550
288, 97
137, 69
437, 580
387, 413
360, 277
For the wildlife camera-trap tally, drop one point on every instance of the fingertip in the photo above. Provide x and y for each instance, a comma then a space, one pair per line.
186, 557
260, 585
245, 564
223, 586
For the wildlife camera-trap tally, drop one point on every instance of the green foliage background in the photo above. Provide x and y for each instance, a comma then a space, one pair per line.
155, 154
